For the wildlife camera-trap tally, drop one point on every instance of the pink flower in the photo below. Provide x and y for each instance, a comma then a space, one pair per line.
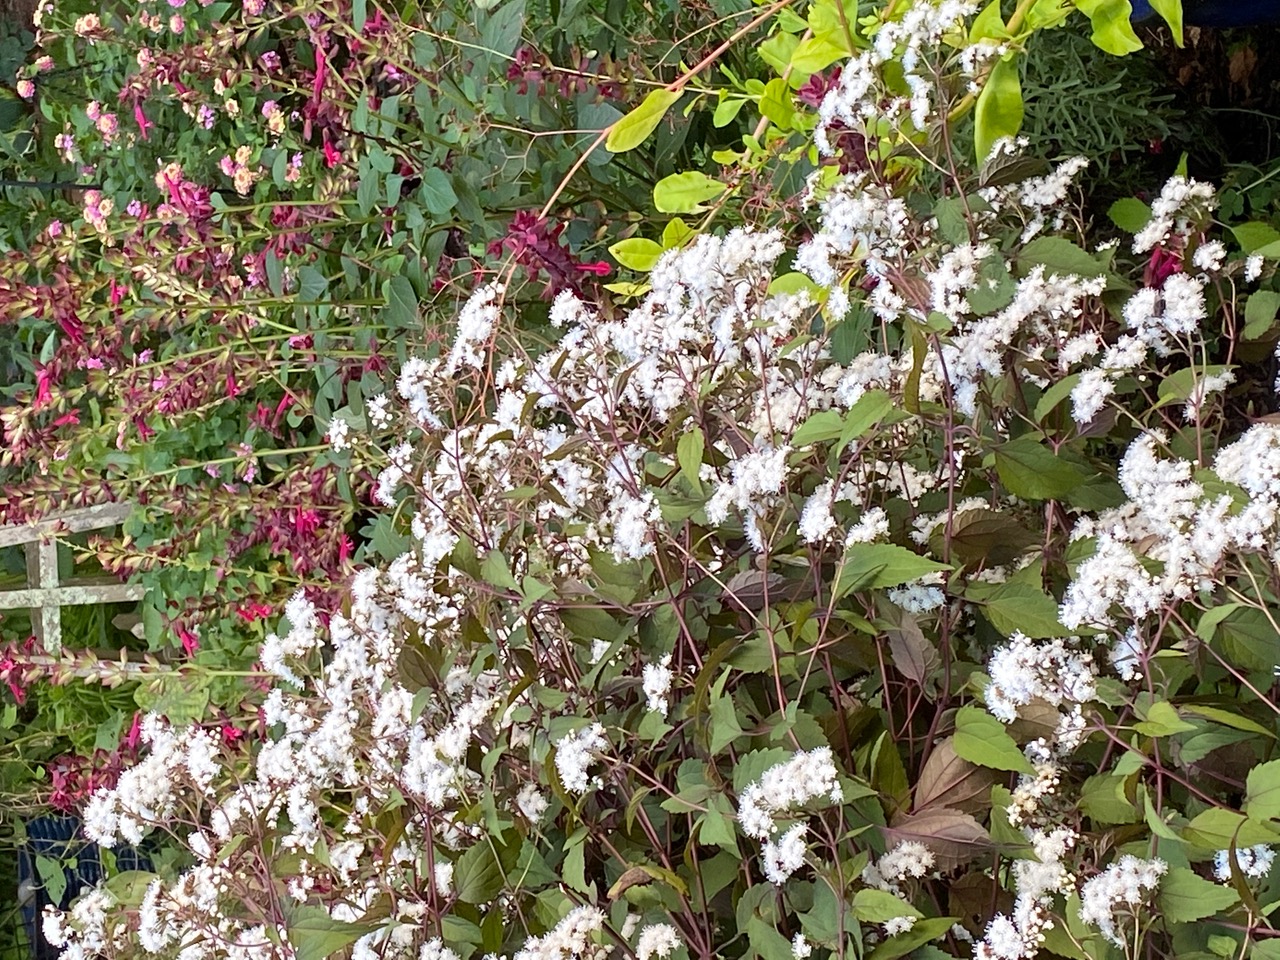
94, 110
55, 228
331, 156
44, 64
190, 642
44, 385
143, 123
26, 89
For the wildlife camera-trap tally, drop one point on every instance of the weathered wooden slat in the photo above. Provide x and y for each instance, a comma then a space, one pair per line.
71, 521
44, 595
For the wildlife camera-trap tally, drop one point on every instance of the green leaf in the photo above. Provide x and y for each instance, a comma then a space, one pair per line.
775, 104
999, 110
1183, 896
1130, 214
870, 565
1262, 796
315, 935
1030, 470
1019, 605
684, 192
1112, 30
401, 310
1162, 720
437, 192
879, 906
1254, 236
1260, 314
981, 738
818, 428
494, 570
477, 874
1171, 11
903, 943
726, 110
1227, 718
1060, 257
637, 253
1057, 393
1179, 385
1218, 828
777, 51
815, 54
633, 129
53, 877
689, 451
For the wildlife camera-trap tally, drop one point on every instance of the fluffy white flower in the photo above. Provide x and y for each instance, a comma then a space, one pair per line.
1121, 889
783, 857
575, 754
657, 940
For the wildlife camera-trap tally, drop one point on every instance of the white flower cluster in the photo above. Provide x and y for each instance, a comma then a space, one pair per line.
1172, 522
910, 859
575, 753
1119, 891
1052, 671
1253, 862
786, 786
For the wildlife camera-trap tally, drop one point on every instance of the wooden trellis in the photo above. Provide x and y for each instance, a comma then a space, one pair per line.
44, 596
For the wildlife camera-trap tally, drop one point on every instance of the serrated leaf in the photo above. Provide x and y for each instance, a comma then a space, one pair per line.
1129, 214
1162, 720
1260, 314
315, 935
1218, 828
477, 874
1254, 235
633, 129
878, 906
1017, 605
949, 780
1030, 470
982, 739
954, 837
1060, 257
870, 565
1262, 791
1183, 896
920, 934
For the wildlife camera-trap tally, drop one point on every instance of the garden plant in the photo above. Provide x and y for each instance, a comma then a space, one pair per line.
655, 482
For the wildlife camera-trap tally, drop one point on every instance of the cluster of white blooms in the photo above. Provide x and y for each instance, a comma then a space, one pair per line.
859, 97
786, 786
1181, 204
573, 938
575, 753
1053, 671
910, 859
657, 679
784, 856
1120, 890
1253, 862
657, 940
1171, 519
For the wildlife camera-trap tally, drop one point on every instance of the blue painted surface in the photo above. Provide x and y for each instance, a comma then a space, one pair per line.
1218, 13
60, 838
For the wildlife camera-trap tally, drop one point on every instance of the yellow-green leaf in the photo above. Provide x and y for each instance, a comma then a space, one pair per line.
636, 253
684, 192
999, 110
633, 129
